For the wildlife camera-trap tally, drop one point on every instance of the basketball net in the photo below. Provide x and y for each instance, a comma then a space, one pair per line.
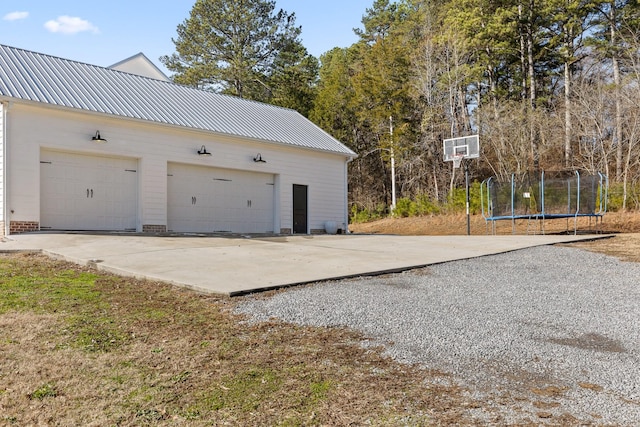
457, 161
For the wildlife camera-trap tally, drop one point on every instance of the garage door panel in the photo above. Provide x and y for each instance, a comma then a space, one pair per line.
227, 200
82, 192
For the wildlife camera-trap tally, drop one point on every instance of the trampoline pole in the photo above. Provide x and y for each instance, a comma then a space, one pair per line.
542, 199
513, 212
575, 218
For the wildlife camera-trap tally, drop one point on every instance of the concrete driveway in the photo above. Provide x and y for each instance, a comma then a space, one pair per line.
239, 265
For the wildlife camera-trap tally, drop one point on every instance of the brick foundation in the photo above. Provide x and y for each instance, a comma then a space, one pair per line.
148, 228
17, 227
286, 231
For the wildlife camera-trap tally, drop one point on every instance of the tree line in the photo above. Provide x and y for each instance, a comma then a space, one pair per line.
547, 84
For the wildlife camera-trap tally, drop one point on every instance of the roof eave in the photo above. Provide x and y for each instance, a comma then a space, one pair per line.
10, 99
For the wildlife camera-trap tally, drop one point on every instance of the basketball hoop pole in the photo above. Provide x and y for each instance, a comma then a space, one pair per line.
393, 167
466, 180
457, 162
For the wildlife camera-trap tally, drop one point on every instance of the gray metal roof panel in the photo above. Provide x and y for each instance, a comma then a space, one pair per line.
42, 78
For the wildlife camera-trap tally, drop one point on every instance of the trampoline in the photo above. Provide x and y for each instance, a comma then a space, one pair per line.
554, 195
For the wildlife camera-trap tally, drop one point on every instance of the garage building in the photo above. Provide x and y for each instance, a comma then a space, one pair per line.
92, 148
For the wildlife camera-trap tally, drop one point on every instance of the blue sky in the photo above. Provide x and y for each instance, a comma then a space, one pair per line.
103, 33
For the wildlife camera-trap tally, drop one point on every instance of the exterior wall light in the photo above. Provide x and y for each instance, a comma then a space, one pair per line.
97, 138
258, 159
203, 151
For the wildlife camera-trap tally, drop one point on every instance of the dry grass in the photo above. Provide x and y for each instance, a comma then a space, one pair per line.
85, 348
623, 246
615, 222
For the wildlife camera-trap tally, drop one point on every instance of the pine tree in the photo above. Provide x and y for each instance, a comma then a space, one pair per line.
243, 48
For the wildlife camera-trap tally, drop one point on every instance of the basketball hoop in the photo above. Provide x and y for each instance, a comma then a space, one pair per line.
457, 161
456, 149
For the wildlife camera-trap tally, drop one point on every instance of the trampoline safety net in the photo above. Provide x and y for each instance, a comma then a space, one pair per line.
550, 195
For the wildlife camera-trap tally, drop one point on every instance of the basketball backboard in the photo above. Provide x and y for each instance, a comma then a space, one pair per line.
465, 147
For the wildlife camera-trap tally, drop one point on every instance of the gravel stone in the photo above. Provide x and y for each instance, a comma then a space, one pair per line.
535, 334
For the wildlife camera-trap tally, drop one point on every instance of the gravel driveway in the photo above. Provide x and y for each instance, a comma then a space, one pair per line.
535, 334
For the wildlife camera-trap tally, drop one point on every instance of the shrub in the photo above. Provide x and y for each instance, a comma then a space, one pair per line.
616, 193
423, 205
405, 207
426, 206
457, 202
365, 215
616, 197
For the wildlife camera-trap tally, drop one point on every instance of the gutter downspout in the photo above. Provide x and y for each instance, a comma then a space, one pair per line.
5, 198
346, 194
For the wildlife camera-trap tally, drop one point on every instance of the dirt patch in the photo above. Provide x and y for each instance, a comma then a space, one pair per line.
550, 391
591, 386
591, 341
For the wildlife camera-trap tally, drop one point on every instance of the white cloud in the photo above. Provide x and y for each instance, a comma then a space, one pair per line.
70, 25
15, 16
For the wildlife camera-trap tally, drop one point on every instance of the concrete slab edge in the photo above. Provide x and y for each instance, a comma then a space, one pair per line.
21, 251
97, 264
402, 269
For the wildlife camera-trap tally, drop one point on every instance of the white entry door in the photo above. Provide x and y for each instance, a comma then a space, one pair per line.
82, 192
209, 200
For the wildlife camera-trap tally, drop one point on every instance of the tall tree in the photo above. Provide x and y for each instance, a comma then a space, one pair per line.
293, 80
528, 22
569, 20
381, 85
235, 47
332, 109
616, 23
336, 110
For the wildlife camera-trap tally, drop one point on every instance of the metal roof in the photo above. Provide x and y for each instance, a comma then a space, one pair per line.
55, 81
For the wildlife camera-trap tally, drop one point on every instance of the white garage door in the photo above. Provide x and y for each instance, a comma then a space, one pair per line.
208, 200
80, 192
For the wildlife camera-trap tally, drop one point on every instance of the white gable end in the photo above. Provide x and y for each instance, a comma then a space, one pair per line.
140, 65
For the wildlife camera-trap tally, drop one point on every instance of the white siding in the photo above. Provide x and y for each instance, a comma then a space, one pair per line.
2, 167
34, 128
324, 177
